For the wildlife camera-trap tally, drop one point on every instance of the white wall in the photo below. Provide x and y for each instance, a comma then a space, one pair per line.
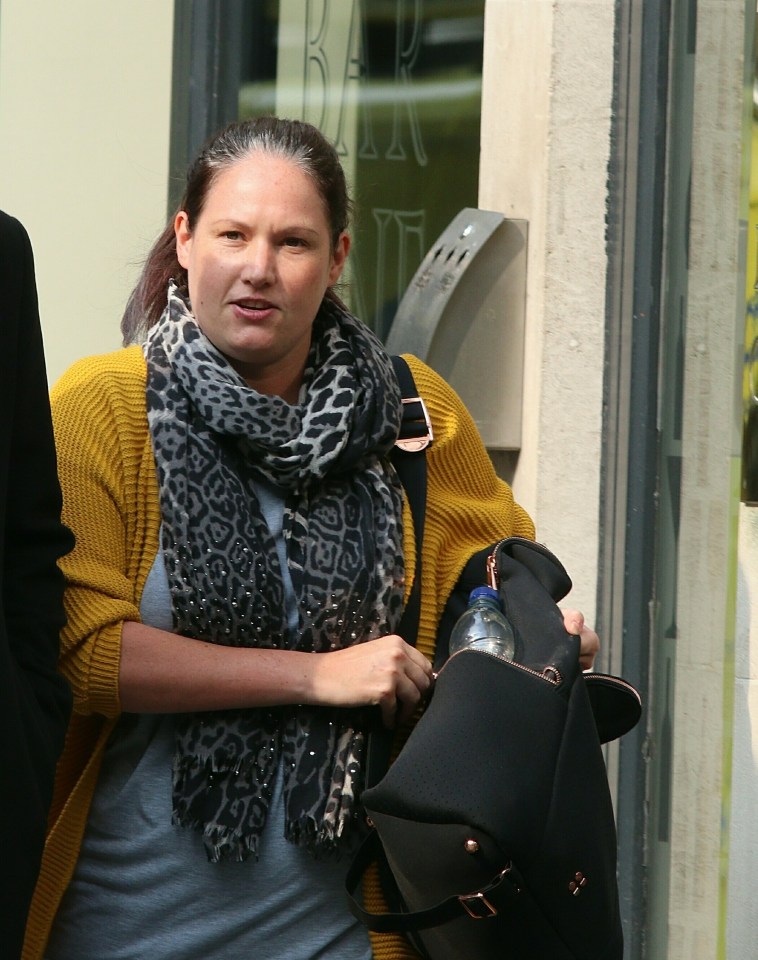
546, 122
85, 94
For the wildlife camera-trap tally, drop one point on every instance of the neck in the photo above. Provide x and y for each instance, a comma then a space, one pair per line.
281, 378
288, 390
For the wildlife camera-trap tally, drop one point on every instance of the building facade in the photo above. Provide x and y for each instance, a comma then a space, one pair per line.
619, 134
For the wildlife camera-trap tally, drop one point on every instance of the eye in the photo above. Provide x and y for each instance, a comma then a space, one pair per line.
232, 235
294, 242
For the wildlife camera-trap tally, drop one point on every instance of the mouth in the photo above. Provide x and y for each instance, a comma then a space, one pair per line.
253, 309
250, 303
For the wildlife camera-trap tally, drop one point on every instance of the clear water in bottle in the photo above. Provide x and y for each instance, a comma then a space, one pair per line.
484, 626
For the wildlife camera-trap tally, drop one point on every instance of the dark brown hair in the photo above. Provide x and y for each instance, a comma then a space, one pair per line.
295, 140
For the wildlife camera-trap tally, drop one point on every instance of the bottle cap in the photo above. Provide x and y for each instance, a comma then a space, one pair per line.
489, 592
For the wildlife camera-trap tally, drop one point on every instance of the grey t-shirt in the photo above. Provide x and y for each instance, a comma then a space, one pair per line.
144, 888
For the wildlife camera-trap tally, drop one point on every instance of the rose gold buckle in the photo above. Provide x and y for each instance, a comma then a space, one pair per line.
484, 909
416, 444
476, 905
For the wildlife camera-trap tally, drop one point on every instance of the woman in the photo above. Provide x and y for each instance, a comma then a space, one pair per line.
243, 555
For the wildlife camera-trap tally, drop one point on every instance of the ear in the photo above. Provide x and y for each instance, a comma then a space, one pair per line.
183, 238
339, 256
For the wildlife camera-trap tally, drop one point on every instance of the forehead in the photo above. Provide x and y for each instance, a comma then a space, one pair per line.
266, 179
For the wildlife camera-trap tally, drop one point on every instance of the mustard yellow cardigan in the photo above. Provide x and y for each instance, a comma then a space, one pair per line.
110, 501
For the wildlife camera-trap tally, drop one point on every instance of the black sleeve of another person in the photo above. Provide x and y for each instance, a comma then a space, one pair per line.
35, 701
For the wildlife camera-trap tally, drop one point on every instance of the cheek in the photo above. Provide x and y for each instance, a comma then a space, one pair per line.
318, 278
207, 281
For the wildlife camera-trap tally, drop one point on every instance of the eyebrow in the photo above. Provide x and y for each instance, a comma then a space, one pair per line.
243, 225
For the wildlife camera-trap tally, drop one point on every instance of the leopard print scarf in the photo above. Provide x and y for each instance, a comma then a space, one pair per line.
212, 435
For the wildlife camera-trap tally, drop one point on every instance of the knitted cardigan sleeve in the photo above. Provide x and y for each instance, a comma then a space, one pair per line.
468, 507
104, 463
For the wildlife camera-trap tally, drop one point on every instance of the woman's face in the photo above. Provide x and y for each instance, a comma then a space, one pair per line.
259, 261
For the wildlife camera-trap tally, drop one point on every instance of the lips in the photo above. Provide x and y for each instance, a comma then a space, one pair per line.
254, 304
253, 310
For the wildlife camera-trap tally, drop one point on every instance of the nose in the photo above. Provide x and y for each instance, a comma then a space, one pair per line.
259, 269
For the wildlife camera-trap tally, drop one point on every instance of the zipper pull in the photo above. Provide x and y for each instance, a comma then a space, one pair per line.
493, 578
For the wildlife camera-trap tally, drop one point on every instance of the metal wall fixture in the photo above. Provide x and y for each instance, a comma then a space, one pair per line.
463, 314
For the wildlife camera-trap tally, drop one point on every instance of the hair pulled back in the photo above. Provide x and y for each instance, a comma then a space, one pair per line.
295, 140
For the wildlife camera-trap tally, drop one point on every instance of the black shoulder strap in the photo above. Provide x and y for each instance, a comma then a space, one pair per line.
409, 459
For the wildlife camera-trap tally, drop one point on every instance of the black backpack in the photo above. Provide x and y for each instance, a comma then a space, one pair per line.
494, 829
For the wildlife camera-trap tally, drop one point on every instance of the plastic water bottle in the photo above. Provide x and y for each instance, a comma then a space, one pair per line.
484, 626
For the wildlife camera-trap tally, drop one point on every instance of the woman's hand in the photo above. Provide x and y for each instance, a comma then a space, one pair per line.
387, 672
573, 620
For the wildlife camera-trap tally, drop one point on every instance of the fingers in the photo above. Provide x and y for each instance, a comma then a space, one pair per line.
573, 621
411, 687
409, 680
387, 672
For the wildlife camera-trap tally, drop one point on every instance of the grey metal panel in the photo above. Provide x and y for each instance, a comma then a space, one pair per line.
463, 314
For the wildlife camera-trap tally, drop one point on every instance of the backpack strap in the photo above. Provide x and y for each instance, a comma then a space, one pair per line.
409, 460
